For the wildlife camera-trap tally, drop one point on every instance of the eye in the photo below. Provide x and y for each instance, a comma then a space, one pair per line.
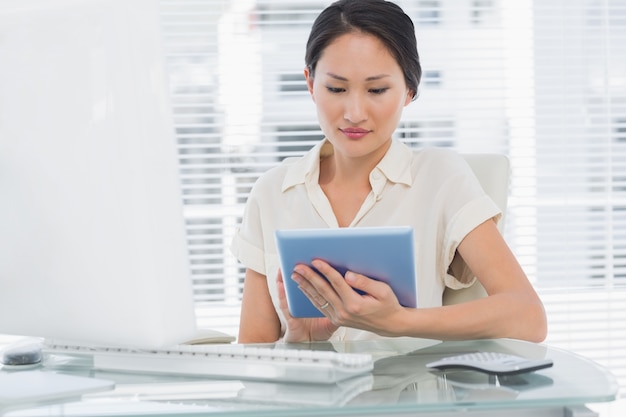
335, 90
378, 90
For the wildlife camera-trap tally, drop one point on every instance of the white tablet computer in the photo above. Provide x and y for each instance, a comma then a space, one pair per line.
382, 253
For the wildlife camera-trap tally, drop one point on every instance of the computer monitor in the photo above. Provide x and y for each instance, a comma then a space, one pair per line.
92, 241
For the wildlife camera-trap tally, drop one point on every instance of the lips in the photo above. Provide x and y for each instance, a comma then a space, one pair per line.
354, 133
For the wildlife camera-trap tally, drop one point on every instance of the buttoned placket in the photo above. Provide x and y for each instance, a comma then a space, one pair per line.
321, 203
377, 182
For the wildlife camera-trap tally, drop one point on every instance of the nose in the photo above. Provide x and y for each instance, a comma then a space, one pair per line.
355, 109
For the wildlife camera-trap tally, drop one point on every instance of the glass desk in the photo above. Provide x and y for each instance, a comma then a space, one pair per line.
400, 385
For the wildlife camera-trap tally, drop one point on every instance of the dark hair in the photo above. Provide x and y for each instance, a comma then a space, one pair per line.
380, 18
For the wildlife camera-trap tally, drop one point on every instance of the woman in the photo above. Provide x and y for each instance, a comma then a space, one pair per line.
362, 69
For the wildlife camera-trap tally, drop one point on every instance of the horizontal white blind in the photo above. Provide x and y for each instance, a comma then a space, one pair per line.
543, 81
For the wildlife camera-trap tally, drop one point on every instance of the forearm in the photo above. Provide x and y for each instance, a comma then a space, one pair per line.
256, 330
259, 322
505, 315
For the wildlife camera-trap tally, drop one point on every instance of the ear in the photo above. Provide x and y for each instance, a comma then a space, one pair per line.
409, 97
309, 81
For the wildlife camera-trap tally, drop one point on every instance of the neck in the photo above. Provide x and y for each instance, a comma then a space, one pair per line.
340, 169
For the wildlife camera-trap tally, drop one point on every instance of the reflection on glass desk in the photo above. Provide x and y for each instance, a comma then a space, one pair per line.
400, 384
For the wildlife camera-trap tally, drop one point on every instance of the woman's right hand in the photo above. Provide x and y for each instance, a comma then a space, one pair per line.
302, 329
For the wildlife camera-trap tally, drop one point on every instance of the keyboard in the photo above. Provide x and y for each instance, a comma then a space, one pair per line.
231, 361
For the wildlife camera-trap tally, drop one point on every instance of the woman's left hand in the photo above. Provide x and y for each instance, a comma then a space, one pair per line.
302, 329
378, 310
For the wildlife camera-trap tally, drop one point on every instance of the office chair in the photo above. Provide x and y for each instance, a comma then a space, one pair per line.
493, 172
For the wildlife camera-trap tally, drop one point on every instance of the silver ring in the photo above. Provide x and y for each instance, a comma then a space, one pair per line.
325, 306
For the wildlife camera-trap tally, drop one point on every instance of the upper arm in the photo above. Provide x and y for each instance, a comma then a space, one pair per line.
259, 321
487, 254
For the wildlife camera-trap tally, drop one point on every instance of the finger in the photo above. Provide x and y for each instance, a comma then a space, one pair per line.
337, 281
282, 295
374, 288
310, 290
346, 287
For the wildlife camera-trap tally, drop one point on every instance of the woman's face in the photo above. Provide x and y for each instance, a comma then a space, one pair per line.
359, 91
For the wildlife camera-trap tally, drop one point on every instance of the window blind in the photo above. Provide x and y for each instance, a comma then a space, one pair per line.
541, 81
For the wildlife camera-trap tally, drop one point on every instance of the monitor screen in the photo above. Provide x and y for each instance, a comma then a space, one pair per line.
92, 241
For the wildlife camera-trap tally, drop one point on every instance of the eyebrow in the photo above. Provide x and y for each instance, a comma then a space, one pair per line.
372, 78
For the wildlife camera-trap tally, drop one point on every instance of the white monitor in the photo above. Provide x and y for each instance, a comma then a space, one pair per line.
92, 241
